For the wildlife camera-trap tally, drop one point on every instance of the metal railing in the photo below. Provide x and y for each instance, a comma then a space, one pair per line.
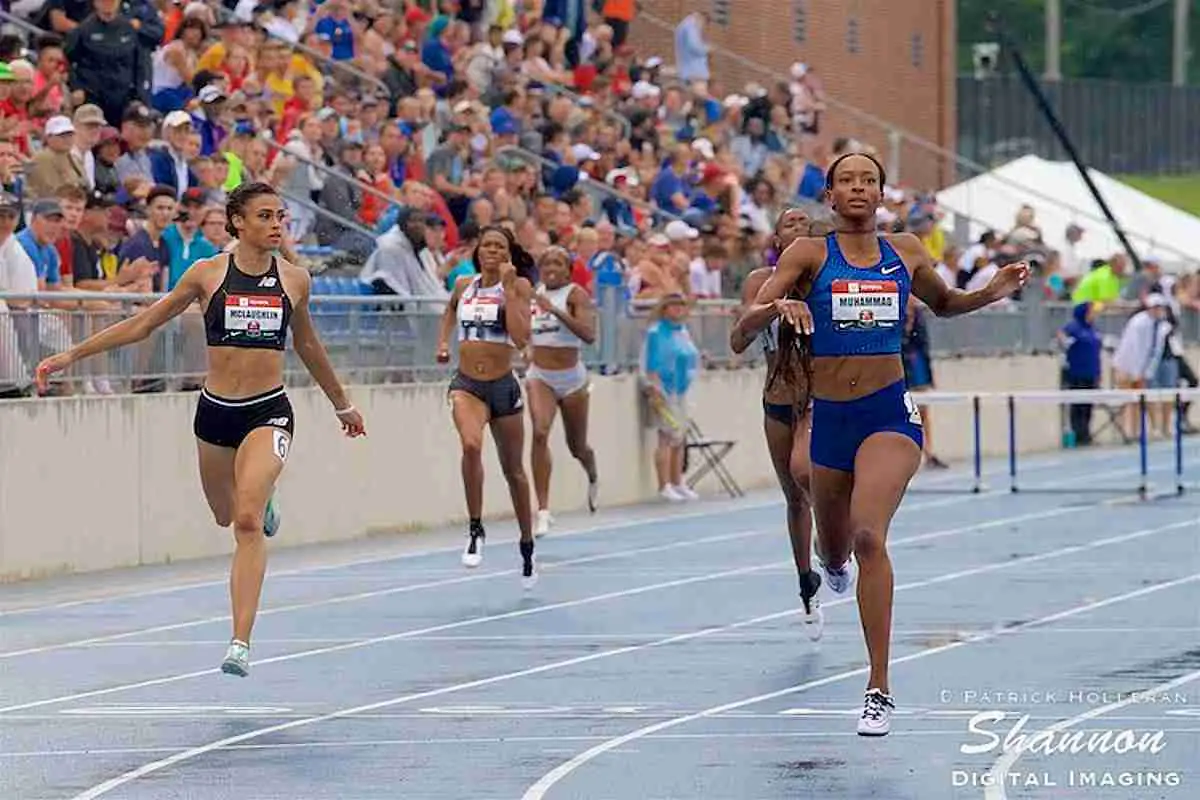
390, 339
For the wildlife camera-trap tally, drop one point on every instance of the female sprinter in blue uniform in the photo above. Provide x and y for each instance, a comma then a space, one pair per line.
244, 421
866, 432
786, 409
492, 312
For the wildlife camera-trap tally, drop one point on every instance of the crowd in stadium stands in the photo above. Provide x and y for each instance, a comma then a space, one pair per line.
396, 132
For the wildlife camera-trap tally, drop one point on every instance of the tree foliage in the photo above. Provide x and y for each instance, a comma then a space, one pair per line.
1126, 40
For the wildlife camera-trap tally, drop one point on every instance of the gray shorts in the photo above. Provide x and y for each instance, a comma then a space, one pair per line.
563, 382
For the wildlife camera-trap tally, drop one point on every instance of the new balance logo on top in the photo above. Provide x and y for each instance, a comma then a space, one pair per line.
278, 422
268, 282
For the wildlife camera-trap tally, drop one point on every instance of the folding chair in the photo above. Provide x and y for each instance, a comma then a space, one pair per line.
712, 452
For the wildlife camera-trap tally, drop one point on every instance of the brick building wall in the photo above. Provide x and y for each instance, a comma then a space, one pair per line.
893, 59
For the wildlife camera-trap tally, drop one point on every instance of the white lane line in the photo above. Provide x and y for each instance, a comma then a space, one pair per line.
391, 590
911, 540
175, 626
722, 507
1005, 762
549, 780
458, 742
185, 755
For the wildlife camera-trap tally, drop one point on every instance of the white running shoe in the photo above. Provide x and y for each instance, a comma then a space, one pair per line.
237, 659
473, 553
839, 581
542, 526
814, 616
272, 519
686, 492
669, 494
876, 719
593, 494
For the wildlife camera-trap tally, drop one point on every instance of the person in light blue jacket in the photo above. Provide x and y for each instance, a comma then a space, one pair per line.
691, 51
668, 368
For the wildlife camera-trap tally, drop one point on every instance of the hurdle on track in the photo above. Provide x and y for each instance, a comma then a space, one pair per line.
1142, 397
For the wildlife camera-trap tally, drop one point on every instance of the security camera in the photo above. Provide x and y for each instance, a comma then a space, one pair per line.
986, 56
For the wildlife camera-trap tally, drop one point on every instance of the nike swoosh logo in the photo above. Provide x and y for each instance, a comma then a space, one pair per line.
890, 271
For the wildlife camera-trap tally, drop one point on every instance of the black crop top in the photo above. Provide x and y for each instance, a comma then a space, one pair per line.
249, 310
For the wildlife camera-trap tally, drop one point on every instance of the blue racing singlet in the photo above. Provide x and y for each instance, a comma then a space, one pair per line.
858, 311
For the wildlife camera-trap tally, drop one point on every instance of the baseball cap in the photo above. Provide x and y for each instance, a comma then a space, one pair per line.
211, 94
9, 203
47, 207
89, 114
1156, 300
136, 112
679, 231
177, 119
705, 148
100, 200
59, 125
6, 73
659, 240
512, 36
584, 152
193, 197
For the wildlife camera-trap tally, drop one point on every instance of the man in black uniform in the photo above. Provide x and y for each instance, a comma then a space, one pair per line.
103, 51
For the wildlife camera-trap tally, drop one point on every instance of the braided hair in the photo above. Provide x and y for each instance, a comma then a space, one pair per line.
794, 360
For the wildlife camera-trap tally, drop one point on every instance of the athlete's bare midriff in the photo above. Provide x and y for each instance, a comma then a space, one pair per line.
843, 378
238, 372
555, 358
485, 361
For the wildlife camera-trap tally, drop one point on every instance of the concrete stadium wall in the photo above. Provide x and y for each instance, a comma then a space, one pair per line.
93, 483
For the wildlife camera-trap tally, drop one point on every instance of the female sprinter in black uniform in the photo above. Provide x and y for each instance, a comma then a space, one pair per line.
492, 309
866, 434
244, 421
563, 321
786, 412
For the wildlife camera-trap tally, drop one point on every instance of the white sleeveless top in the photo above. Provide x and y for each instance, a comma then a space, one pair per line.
163, 75
547, 329
481, 314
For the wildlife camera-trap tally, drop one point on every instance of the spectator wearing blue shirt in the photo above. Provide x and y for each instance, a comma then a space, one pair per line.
669, 190
1081, 368
668, 367
148, 242
186, 243
45, 228
435, 52
336, 26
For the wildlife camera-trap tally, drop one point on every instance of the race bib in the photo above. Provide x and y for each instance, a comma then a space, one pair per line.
914, 413
480, 312
866, 304
254, 314
544, 321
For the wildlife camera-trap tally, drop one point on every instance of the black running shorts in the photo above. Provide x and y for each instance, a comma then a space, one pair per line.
502, 396
227, 423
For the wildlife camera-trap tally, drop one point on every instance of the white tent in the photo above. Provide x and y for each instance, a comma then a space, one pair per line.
1059, 196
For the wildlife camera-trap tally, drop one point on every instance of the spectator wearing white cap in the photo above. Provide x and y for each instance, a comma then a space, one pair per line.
169, 165
54, 165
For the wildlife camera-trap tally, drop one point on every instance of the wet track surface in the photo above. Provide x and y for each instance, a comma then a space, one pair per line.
660, 656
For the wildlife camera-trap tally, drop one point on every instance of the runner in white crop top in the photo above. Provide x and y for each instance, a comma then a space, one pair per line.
563, 322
